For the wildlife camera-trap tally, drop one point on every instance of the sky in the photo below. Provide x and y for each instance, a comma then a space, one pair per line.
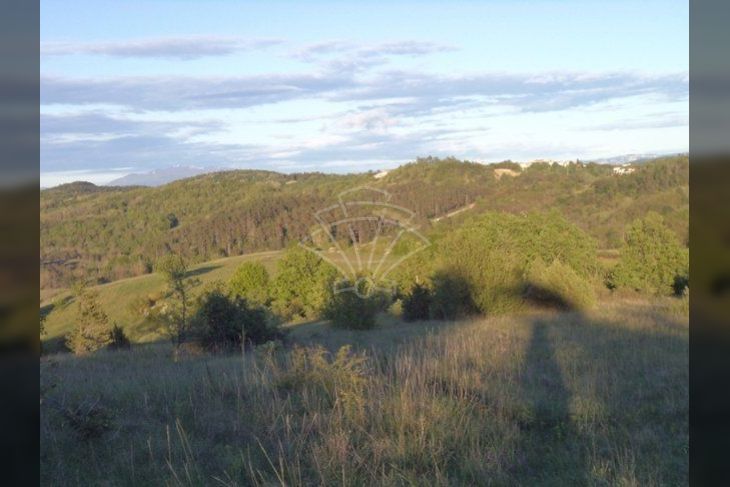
354, 86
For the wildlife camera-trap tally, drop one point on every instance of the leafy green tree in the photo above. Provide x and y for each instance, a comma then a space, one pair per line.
174, 312
652, 259
92, 331
251, 281
303, 284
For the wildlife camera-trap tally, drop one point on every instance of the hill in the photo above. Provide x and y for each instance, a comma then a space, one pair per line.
118, 297
109, 233
158, 177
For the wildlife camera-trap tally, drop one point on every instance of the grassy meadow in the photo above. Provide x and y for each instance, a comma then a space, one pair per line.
537, 398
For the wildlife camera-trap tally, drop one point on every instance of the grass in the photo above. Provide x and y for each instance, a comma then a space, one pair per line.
548, 398
116, 297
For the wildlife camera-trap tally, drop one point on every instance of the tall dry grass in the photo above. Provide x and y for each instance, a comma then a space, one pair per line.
531, 399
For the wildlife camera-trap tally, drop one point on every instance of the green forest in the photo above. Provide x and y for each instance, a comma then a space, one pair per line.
101, 234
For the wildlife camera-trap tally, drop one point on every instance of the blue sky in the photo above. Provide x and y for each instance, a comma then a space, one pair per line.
339, 87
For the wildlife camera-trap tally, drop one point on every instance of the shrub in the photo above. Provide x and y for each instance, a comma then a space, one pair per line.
357, 311
88, 420
340, 379
416, 304
251, 281
652, 259
303, 284
558, 285
680, 286
452, 296
92, 331
119, 340
223, 323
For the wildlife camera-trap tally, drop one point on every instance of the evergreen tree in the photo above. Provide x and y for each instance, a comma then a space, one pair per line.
92, 331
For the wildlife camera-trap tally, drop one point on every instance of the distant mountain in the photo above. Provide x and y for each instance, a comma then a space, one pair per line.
627, 158
158, 177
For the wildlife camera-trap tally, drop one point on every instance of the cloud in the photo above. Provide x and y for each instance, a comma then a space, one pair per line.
523, 92
188, 93
343, 56
181, 48
95, 123
139, 151
316, 51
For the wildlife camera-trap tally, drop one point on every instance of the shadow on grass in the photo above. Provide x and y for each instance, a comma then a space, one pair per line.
550, 446
389, 333
607, 402
202, 270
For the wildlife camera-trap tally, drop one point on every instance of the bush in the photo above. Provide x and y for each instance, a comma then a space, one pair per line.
484, 263
251, 281
652, 259
558, 285
339, 380
223, 323
452, 296
119, 340
416, 305
356, 311
680, 286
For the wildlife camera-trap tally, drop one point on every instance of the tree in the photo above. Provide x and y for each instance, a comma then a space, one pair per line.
303, 284
92, 331
174, 312
251, 281
652, 259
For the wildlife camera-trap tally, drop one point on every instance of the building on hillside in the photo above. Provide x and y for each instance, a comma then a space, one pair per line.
624, 169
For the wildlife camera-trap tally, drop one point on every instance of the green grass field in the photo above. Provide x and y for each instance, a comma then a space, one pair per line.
540, 398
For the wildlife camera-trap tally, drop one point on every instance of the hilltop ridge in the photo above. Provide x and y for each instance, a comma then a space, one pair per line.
107, 233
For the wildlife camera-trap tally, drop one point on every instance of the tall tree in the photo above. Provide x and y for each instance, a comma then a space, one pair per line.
174, 312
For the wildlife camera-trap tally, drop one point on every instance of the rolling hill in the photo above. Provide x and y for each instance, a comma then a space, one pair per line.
104, 234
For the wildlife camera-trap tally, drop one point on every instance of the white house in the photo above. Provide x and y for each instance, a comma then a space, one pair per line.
623, 169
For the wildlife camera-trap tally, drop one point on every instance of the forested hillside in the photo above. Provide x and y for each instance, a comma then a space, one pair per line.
105, 233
